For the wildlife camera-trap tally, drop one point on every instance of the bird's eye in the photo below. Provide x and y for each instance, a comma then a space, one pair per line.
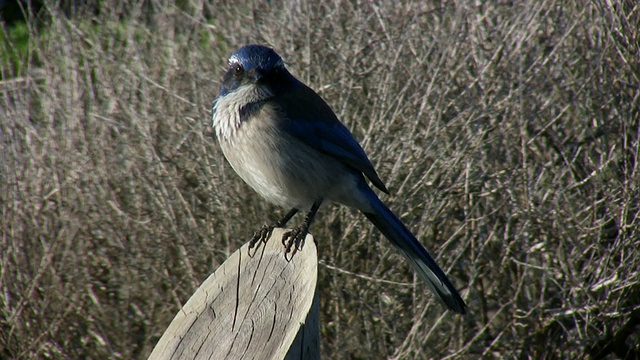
237, 69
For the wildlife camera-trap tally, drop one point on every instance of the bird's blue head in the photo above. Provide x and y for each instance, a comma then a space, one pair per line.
257, 65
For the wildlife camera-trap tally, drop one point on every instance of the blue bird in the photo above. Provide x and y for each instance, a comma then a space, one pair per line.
284, 141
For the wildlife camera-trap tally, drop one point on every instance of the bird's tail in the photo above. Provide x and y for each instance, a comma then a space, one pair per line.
417, 255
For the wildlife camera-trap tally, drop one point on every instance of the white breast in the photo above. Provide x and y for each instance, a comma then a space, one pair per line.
226, 110
275, 164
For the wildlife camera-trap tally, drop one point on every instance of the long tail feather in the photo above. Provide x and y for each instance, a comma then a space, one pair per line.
417, 255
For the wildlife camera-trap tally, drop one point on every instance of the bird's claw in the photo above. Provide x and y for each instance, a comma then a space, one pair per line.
293, 241
261, 236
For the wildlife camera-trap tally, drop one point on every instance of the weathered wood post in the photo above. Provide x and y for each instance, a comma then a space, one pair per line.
257, 305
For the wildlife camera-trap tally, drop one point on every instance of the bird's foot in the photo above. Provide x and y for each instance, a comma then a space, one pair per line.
261, 236
293, 240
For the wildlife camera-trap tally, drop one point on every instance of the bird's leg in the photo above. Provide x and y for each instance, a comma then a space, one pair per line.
294, 239
282, 222
265, 232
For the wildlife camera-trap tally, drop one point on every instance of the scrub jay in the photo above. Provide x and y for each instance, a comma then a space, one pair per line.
286, 143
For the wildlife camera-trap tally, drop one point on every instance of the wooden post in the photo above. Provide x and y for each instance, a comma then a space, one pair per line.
257, 305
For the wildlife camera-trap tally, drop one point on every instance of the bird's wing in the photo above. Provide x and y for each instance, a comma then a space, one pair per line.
311, 120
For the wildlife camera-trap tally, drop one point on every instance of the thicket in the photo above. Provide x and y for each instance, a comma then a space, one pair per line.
507, 133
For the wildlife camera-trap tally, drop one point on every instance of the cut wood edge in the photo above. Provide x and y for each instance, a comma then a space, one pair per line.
253, 306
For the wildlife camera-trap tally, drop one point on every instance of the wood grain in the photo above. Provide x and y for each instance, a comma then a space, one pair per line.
252, 307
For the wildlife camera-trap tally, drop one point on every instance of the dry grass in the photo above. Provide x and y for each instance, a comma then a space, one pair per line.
507, 132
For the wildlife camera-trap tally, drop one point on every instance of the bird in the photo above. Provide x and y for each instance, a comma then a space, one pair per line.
287, 144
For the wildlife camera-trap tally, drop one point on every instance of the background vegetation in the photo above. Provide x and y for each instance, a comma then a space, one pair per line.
507, 132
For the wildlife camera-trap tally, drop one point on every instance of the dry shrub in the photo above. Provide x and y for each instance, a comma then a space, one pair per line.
507, 132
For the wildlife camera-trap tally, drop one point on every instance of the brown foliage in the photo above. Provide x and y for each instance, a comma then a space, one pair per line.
507, 132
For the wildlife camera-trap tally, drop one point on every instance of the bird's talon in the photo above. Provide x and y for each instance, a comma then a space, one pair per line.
293, 241
260, 236
300, 241
287, 241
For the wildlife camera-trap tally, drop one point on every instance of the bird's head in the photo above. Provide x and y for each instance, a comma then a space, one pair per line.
256, 74
255, 65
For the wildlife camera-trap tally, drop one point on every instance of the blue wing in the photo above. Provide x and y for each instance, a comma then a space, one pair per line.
311, 120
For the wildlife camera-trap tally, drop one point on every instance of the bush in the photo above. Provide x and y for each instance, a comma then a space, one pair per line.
507, 133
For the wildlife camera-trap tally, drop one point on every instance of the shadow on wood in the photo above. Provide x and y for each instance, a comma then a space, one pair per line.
252, 307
